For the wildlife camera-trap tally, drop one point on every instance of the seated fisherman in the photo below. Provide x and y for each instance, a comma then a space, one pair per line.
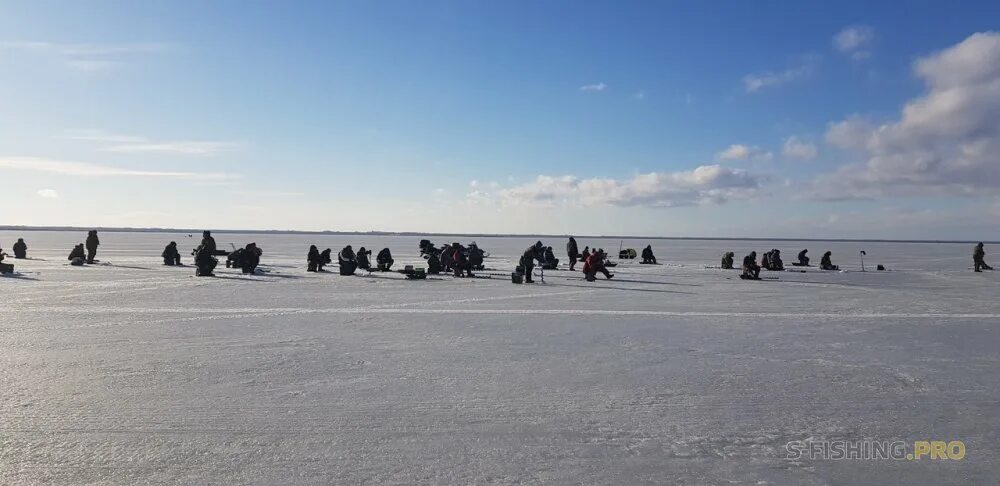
362, 258
825, 262
979, 259
251, 258
78, 256
426, 247
205, 261
447, 258
476, 257
765, 260
727, 260
347, 260
384, 260
551, 262
325, 258
774, 262
20, 249
595, 263
460, 261
434, 266
208, 242
235, 259
750, 268
803, 259
313, 260
170, 254
647, 255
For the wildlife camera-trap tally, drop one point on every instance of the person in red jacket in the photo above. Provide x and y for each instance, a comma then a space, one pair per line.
595, 263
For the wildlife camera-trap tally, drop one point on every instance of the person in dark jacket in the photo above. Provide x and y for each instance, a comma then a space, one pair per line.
750, 268
447, 258
170, 254
460, 261
825, 262
434, 266
772, 261
476, 257
384, 260
205, 262
727, 260
573, 252
362, 258
647, 255
208, 242
534, 253
979, 259
251, 258
20, 249
347, 260
551, 262
92, 243
77, 256
803, 259
313, 259
325, 259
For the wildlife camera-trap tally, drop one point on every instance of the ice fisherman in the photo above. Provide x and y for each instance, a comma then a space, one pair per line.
92, 243
20, 249
595, 263
170, 254
204, 261
347, 260
647, 255
803, 259
384, 260
573, 252
77, 257
313, 259
527, 262
750, 268
825, 262
727, 260
979, 258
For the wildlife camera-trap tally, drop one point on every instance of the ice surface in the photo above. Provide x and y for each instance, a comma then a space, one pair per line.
133, 372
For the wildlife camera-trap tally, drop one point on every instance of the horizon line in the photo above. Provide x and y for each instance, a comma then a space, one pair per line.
126, 229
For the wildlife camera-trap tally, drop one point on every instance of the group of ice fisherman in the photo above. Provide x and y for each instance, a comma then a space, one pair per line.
460, 259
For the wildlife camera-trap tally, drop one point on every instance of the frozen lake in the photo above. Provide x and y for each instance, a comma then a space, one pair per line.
132, 372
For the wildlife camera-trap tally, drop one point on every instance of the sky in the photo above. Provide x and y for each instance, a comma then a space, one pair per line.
688, 118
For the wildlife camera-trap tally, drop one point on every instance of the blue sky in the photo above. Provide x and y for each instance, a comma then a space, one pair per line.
650, 118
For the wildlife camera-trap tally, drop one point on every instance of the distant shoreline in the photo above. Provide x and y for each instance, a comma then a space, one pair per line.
474, 235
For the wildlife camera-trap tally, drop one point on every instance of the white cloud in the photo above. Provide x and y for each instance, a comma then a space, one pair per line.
744, 152
92, 65
138, 144
798, 149
594, 87
87, 57
473, 183
756, 82
703, 185
69, 49
48, 193
852, 39
945, 141
71, 168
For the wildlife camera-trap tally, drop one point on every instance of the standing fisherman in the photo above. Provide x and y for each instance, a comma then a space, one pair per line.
573, 252
92, 243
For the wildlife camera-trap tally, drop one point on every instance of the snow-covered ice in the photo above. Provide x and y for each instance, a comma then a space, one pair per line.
131, 372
